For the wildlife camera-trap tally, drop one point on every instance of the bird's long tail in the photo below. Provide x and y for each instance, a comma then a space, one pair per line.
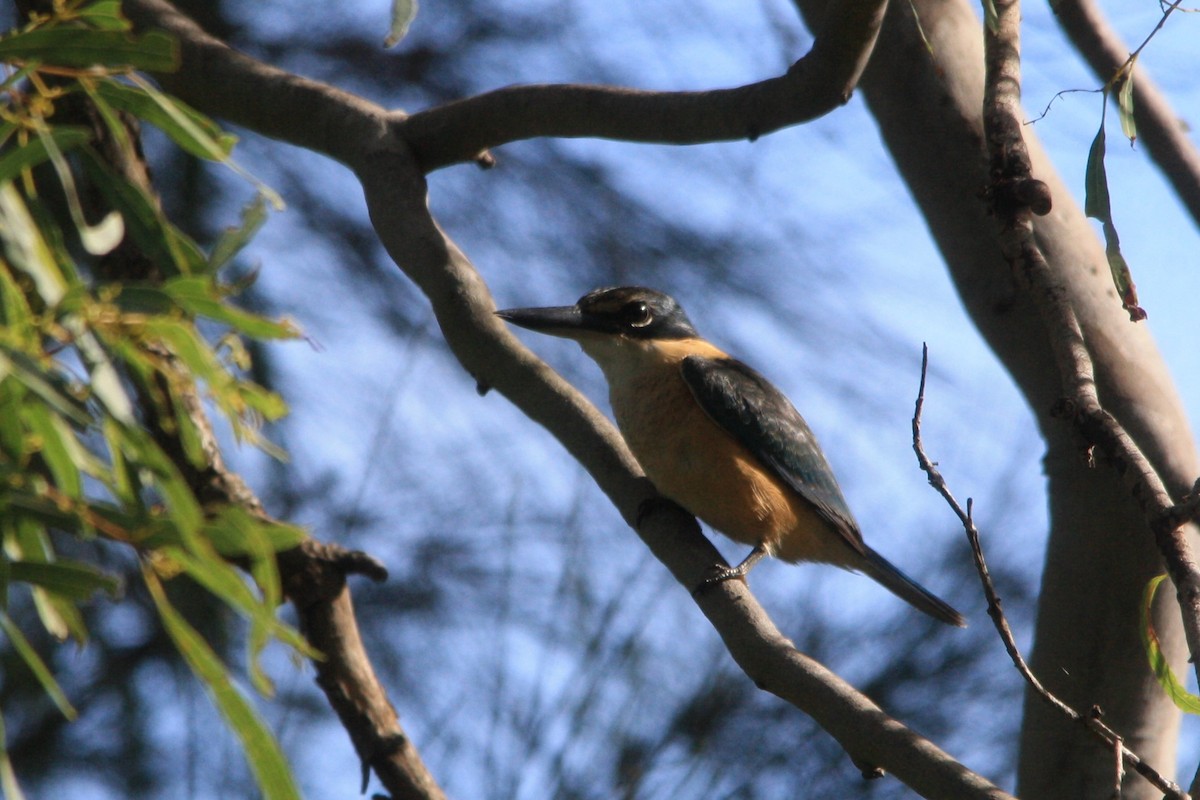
908, 590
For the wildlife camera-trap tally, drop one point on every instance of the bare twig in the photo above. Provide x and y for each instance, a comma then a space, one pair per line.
1091, 721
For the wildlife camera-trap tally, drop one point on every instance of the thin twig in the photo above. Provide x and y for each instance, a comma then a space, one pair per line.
1159, 127
1089, 721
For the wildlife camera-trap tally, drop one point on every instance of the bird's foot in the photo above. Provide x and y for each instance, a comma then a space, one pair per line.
719, 573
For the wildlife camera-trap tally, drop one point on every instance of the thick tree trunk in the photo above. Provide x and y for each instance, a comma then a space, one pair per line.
1100, 552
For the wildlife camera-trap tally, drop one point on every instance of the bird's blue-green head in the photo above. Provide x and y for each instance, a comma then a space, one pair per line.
632, 312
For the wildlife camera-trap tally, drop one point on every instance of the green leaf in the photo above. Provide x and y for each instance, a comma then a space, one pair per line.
227, 584
262, 752
53, 388
1097, 204
168, 248
188, 345
97, 239
227, 531
233, 239
184, 510
26, 508
1181, 697
12, 438
34, 151
59, 448
104, 15
188, 128
1125, 103
16, 316
403, 14
59, 615
52, 238
8, 777
201, 296
124, 482
990, 17
26, 249
36, 665
79, 47
105, 383
169, 106
71, 579
267, 403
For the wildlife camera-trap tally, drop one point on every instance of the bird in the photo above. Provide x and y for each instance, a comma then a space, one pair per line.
717, 438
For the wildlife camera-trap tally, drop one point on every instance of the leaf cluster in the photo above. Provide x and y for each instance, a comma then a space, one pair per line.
105, 378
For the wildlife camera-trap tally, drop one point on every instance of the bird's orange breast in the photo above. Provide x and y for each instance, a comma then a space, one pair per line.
699, 465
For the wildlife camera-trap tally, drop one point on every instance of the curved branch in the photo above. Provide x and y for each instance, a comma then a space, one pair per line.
822, 80
1163, 132
455, 132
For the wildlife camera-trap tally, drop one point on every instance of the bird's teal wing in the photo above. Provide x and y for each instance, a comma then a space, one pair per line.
764, 421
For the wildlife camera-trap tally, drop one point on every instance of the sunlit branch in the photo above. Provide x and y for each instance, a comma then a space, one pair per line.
1092, 721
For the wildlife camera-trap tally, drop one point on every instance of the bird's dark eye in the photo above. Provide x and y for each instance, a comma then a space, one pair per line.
637, 314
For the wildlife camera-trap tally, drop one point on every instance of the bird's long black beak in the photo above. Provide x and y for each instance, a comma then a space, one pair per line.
565, 321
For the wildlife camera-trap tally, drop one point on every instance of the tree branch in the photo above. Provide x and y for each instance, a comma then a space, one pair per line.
1091, 722
822, 80
1158, 126
394, 185
461, 131
1010, 191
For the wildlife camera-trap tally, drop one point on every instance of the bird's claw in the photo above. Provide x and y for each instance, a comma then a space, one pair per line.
718, 573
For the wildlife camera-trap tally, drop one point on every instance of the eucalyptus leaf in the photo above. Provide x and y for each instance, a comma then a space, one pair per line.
233, 239
188, 128
1180, 696
403, 14
105, 15
59, 449
72, 579
79, 47
262, 752
33, 152
9, 787
1125, 104
25, 247
36, 666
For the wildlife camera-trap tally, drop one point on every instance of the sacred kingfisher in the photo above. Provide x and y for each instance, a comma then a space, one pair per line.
717, 438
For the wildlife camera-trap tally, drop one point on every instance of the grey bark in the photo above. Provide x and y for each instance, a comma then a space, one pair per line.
1100, 551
